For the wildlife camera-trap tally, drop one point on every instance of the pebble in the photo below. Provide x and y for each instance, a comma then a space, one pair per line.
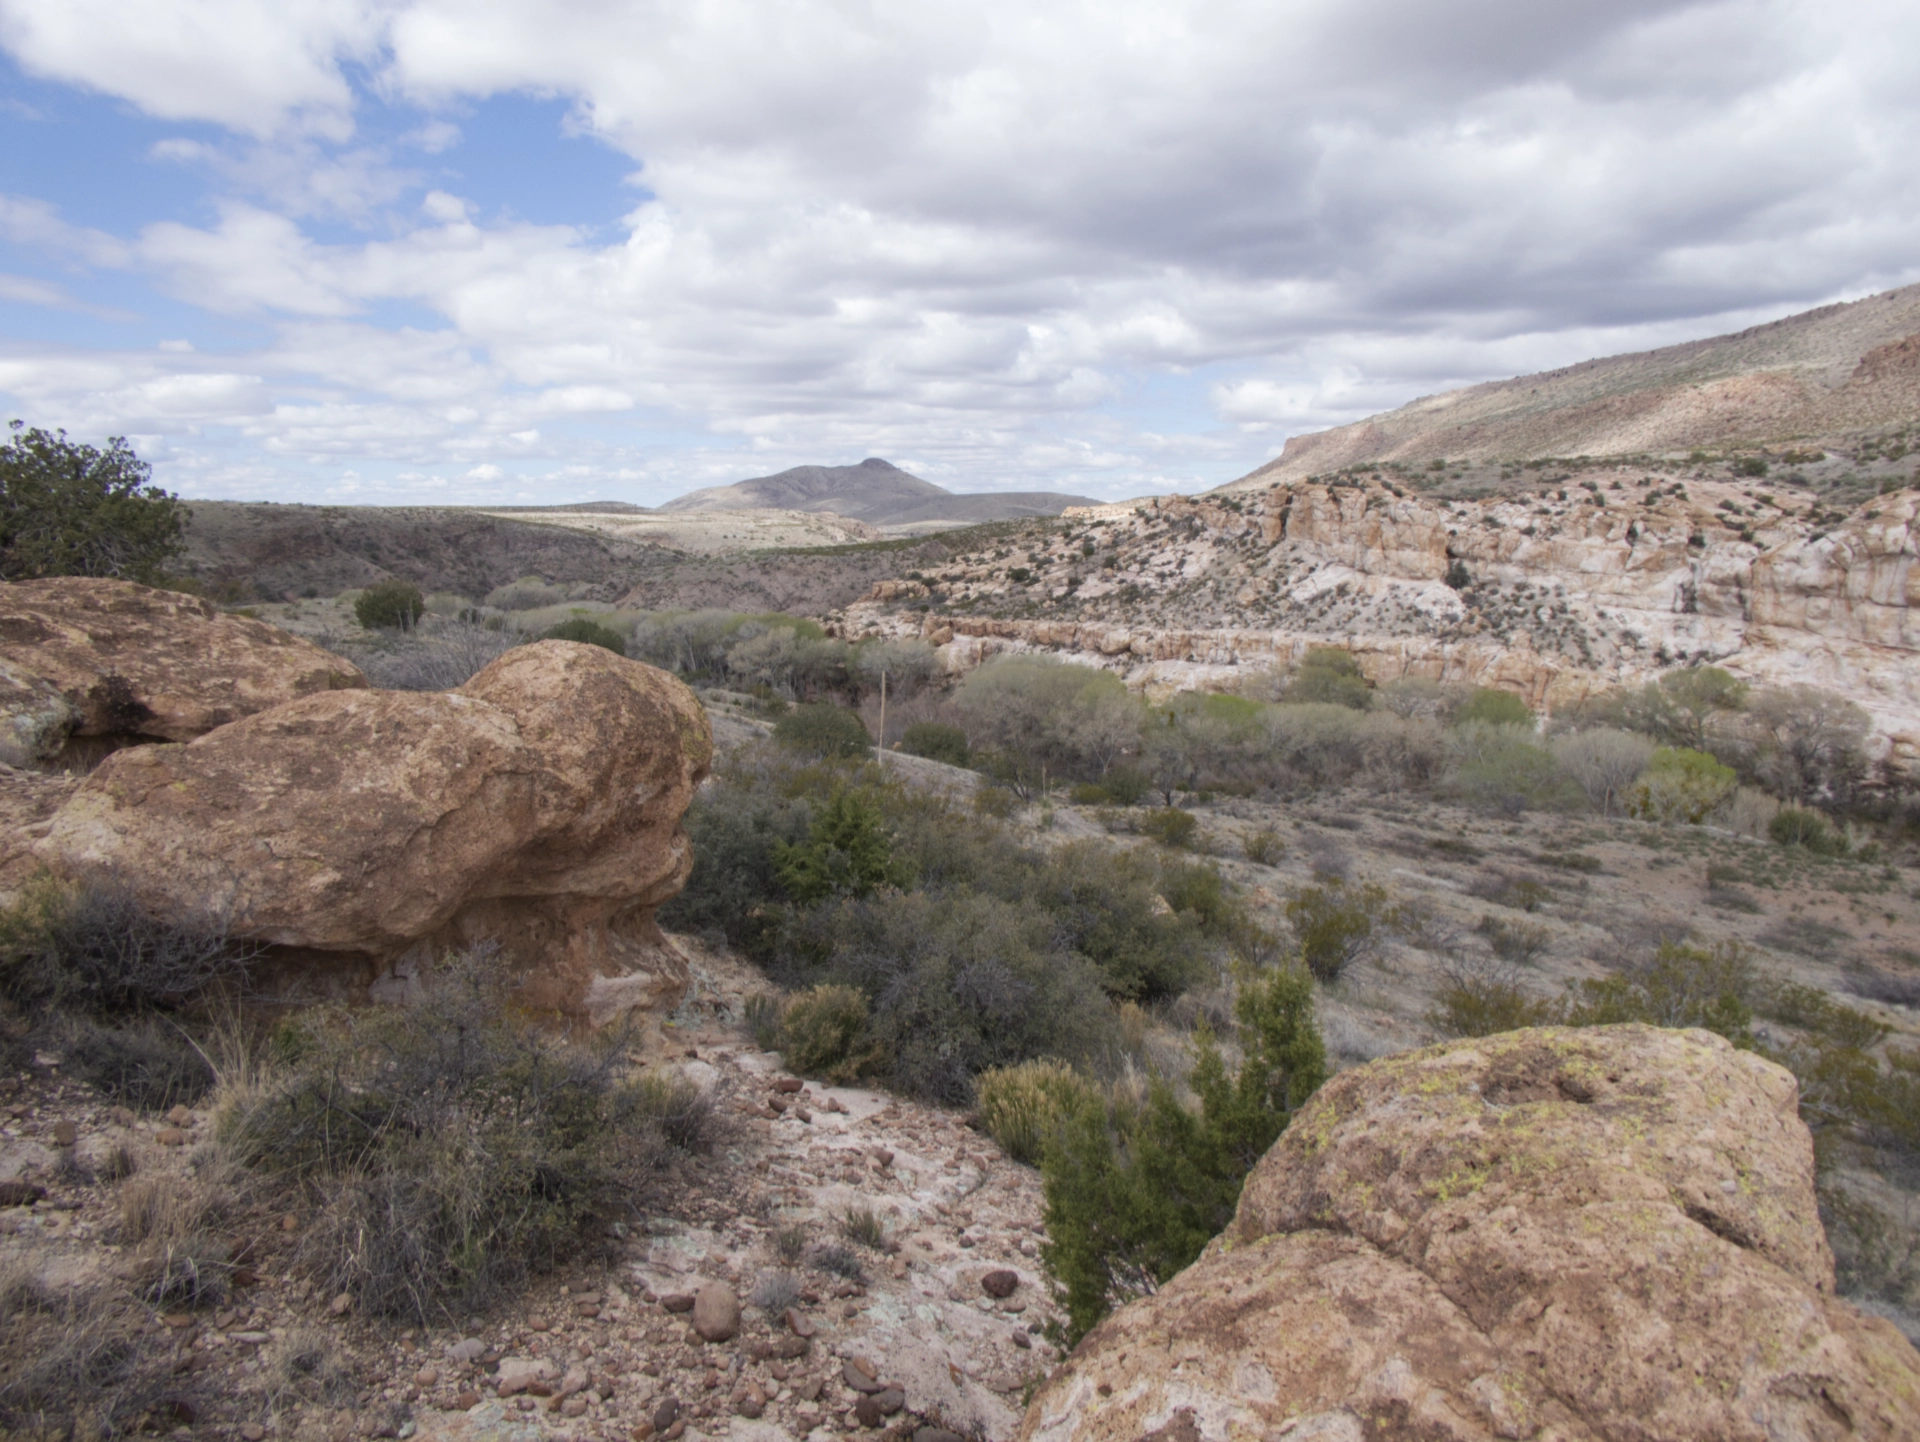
65, 1133
180, 1116
170, 1137
716, 1313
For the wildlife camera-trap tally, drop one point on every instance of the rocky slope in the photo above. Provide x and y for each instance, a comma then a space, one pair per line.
1562, 584
1835, 371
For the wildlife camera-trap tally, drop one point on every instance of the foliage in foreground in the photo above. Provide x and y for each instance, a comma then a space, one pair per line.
451, 1148
1134, 1192
68, 509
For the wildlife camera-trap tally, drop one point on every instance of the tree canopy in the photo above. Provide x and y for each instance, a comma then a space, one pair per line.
69, 509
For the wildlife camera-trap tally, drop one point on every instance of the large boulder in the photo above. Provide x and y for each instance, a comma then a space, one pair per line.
357, 833
1595, 1234
111, 662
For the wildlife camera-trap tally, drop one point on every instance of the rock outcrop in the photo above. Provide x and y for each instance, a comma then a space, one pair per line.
1605, 1234
358, 832
108, 662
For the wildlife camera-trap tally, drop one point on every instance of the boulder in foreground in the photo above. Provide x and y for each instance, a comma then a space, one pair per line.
359, 833
1594, 1234
115, 663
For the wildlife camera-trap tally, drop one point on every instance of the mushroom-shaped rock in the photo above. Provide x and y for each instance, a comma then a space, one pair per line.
358, 832
1604, 1233
116, 662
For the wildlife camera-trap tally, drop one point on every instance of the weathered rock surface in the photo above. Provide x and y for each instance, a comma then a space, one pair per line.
360, 831
1570, 1234
108, 659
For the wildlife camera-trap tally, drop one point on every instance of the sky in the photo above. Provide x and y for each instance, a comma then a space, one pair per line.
540, 251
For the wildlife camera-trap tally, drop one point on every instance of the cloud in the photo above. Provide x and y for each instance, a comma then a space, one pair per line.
993, 238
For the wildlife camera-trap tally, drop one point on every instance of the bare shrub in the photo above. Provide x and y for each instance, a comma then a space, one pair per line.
1479, 998
1520, 942
840, 1260
449, 655
1265, 848
309, 1367
72, 1364
1604, 764
775, 1290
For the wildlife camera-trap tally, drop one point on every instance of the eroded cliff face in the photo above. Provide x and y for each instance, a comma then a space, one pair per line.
1600, 581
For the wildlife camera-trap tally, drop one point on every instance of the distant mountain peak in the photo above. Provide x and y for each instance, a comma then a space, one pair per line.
873, 490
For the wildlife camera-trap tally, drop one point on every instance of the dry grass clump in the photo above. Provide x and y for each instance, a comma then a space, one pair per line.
775, 1290
862, 1226
1020, 1105
72, 1364
451, 1148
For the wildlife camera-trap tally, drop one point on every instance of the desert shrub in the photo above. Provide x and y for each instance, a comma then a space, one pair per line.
449, 655
1335, 924
1490, 706
762, 1017
1604, 764
908, 666
1804, 744
1133, 1192
68, 509
1478, 999
147, 1063
1520, 942
91, 947
862, 1226
937, 741
1169, 826
1329, 676
848, 852
1795, 826
956, 984
1680, 785
1265, 848
821, 1031
1507, 766
840, 1260
1682, 986
820, 728
1089, 794
450, 1147
73, 1363
1125, 784
738, 824
1020, 1105
1509, 889
677, 1109
588, 633
1101, 905
390, 605
774, 1291
529, 593
1041, 717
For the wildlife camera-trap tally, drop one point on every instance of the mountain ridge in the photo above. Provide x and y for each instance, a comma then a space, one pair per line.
875, 491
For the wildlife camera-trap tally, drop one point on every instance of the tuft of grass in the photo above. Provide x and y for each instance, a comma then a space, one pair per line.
839, 1260
1521, 942
862, 1226
1265, 848
790, 1244
775, 1290
1021, 1105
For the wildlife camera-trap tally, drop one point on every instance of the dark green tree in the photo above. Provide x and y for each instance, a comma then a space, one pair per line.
68, 509
588, 633
391, 605
1134, 1194
847, 853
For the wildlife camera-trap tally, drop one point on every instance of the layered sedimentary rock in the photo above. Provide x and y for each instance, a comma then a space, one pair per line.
359, 832
1556, 595
1603, 1234
111, 663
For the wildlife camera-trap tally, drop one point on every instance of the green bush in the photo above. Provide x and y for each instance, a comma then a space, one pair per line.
1507, 766
1335, 925
1020, 1106
1134, 1193
1683, 986
1794, 826
1329, 676
847, 853
821, 1031
1126, 784
1490, 706
1169, 826
1088, 794
1103, 905
937, 741
587, 633
1265, 848
68, 509
823, 729
1475, 1001
390, 605
1680, 785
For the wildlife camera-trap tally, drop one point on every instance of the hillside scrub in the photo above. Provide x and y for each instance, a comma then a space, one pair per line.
1135, 1190
972, 947
70, 509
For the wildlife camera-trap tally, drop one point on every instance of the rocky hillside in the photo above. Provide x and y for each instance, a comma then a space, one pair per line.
1838, 371
1556, 583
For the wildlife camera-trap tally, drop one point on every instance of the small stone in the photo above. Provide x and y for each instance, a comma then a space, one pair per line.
467, 1349
289, 1223
466, 1399
341, 1304
809, 1390
882, 1156
867, 1410
802, 1114
889, 1401
574, 1407
522, 1374
252, 1431
798, 1322
788, 1084
677, 1302
666, 1414
427, 1377
1000, 1283
1022, 1341
716, 1313
642, 1433
170, 1137
65, 1133
860, 1378
179, 1116
898, 1267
